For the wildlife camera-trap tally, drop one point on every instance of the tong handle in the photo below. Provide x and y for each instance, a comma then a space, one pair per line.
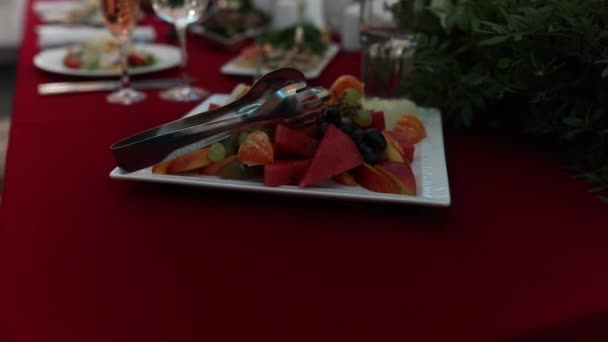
171, 140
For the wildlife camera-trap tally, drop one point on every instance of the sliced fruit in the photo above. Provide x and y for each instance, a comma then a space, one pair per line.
191, 161
370, 178
345, 178
392, 108
136, 60
161, 168
291, 142
256, 149
285, 172
237, 170
336, 153
312, 130
341, 84
401, 174
393, 152
408, 149
215, 168
72, 62
410, 128
378, 120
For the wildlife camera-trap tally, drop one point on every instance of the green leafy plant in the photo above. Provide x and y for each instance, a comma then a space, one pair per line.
537, 66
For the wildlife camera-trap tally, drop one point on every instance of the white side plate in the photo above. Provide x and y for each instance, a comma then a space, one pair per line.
233, 68
429, 167
51, 60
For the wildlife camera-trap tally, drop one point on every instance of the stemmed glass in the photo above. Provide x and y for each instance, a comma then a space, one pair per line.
120, 17
181, 13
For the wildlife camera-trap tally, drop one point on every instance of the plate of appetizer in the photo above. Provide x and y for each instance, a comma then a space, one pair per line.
231, 27
273, 46
100, 57
359, 150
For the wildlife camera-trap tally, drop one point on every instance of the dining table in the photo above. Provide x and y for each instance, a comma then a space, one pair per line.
520, 254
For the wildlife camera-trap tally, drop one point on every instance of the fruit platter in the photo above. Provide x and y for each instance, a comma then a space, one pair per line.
370, 150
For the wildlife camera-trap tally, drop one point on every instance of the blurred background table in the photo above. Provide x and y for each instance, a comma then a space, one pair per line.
519, 256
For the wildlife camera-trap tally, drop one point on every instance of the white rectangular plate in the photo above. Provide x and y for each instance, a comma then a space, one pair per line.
233, 68
429, 167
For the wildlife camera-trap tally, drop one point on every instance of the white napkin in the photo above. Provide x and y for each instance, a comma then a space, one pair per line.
56, 35
42, 8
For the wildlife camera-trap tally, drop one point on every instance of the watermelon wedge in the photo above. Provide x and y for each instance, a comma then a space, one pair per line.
291, 142
337, 153
284, 172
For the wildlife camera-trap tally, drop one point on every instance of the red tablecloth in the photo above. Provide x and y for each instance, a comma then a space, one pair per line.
520, 255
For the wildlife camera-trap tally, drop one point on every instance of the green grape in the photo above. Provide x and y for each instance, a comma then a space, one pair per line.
231, 144
243, 136
351, 97
363, 118
217, 152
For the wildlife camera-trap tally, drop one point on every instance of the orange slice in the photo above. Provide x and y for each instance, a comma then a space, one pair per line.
341, 84
410, 128
256, 149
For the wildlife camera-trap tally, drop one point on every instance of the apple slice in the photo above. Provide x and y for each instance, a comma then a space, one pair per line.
215, 168
345, 178
393, 151
401, 145
191, 161
401, 174
370, 178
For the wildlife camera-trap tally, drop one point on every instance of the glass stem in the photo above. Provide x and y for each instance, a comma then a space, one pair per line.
125, 81
180, 29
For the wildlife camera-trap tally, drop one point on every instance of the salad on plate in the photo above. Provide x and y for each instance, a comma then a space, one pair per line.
103, 54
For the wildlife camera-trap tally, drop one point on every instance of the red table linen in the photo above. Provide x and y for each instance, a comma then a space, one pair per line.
521, 255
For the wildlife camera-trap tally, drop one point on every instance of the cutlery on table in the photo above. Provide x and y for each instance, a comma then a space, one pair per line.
93, 86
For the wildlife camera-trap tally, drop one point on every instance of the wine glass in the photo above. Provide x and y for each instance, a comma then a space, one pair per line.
120, 17
181, 13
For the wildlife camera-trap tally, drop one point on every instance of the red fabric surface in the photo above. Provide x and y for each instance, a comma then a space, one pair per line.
519, 256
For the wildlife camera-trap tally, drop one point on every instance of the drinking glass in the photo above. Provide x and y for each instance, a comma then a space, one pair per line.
388, 45
120, 17
181, 13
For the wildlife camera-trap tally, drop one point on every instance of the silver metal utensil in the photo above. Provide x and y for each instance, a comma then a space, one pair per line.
94, 86
180, 137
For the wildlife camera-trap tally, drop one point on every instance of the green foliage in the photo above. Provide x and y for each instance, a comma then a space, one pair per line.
540, 66
284, 38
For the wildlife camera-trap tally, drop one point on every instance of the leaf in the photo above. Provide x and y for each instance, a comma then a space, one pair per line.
605, 72
598, 189
497, 28
604, 199
504, 63
572, 121
494, 40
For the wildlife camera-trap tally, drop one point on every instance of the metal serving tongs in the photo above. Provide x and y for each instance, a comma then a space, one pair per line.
292, 104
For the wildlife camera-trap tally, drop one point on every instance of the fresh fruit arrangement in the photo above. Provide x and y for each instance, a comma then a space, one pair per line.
103, 54
350, 144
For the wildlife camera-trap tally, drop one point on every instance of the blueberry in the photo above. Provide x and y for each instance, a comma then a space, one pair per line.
369, 155
333, 115
374, 138
346, 125
358, 137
